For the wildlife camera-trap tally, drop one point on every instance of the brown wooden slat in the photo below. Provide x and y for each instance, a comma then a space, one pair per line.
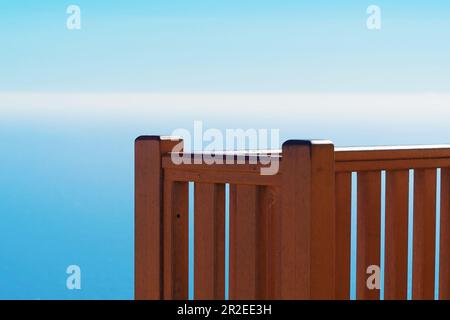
176, 240
424, 234
244, 227
180, 216
168, 240
343, 232
268, 248
396, 235
209, 241
444, 249
368, 243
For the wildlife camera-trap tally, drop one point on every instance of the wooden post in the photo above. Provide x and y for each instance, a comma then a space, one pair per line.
307, 237
148, 215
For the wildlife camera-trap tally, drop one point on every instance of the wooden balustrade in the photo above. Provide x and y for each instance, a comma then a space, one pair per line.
289, 232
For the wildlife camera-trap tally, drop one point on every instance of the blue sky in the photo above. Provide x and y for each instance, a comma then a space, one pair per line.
225, 46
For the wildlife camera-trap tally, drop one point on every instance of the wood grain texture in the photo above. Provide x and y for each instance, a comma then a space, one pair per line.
245, 225
444, 250
253, 251
168, 240
368, 242
149, 249
393, 152
268, 237
403, 164
290, 232
343, 234
307, 221
323, 223
176, 240
222, 177
396, 235
295, 221
148, 219
424, 234
209, 241
180, 214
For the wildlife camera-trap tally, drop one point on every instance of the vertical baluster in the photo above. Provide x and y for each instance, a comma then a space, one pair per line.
209, 238
424, 233
179, 219
343, 229
244, 225
368, 243
444, 247
396, 244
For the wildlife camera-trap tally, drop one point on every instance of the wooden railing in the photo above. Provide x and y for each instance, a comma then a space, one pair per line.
290, 232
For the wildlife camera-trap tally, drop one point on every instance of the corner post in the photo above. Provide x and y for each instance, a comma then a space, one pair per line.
148, 224
148, 274
307, 220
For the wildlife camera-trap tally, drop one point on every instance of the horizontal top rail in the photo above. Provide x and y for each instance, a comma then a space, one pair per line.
347, 159
249, 166
392, 157
241, 167
234, 152
392, 152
